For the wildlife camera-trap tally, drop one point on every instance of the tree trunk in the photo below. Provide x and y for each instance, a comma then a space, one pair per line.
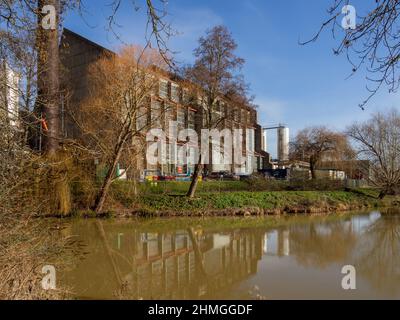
313, 170
195, 180
197, 253
101, 197
103, 236
48, 79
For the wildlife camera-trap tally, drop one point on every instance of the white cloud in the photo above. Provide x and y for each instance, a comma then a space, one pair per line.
191, 24
271, 110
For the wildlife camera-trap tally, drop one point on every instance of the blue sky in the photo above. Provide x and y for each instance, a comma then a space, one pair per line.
293, 84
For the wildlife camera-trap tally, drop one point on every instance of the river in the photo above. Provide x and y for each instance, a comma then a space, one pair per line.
301, 259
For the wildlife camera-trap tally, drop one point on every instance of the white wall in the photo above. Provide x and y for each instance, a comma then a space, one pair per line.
12, 94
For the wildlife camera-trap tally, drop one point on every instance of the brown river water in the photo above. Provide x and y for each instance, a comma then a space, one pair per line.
301, 260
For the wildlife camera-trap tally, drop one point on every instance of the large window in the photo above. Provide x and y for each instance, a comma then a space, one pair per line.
236, 114
156, 114
180, 118
174, 92
185, 96
243, 116
191, 119
169, 115
221, 109
163, 92
250, 141
205, 114
141, 118
216, 113
205, 119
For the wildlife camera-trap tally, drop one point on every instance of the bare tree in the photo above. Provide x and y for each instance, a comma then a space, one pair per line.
217, 72
375, 253
48, 102
373, 44
39, 61
378, 141
158, 29
115, 114
315, 144
28, 15
28, 182
17, 52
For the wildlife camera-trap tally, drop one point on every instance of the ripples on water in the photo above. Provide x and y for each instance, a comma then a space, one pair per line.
302, 260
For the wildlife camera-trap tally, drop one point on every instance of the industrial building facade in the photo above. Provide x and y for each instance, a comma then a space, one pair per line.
169, 103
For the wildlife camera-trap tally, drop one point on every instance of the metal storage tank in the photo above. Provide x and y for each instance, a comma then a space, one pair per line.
264, 141
283, 144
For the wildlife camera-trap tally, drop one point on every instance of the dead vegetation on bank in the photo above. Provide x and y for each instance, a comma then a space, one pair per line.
27, 244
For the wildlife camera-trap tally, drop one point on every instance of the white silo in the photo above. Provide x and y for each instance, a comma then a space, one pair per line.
264, 146
283, 144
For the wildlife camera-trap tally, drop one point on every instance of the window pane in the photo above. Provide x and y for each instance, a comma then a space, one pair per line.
181, 114
191, 119
169, 115
163, 93
185, 96
141, 118
174, 93
156, 114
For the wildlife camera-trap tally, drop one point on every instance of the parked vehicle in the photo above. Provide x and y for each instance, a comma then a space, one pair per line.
156, 175
276, 174
221, 175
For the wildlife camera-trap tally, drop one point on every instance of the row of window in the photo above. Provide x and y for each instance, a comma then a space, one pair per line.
236, 114
190, 156
163, 92
164, 113
184, 117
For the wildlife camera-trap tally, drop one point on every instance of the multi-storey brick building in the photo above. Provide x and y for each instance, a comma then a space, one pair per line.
171, 101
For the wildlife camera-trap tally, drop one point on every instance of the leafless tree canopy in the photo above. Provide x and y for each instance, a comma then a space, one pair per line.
119, 103
217, 71
217, 68
378, 140
158, 29
373, 45
29, 183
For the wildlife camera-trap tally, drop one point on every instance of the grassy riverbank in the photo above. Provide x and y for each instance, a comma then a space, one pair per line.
242, 199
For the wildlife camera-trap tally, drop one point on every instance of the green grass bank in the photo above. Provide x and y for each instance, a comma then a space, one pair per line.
241, 199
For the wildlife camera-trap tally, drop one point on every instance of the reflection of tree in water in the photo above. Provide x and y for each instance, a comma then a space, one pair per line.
204, 268
320, 244
377, 254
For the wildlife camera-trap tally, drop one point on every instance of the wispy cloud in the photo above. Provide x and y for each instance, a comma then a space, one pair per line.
253, 9
191, 24
271, 110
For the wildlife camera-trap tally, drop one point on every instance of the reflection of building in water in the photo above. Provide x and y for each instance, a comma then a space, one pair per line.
277, 243
182, 265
